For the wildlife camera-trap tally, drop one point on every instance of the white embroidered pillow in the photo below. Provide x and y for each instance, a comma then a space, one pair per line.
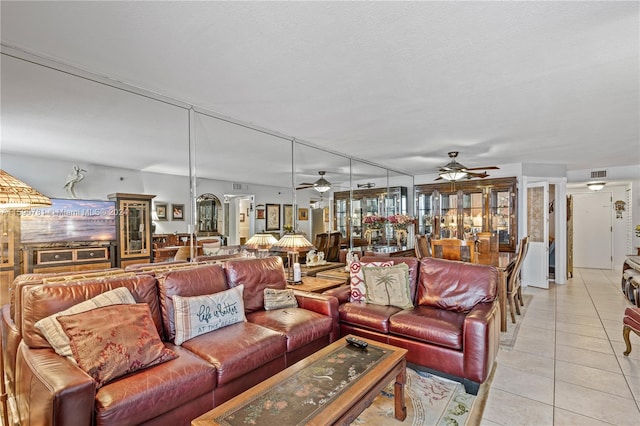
356, 280
53, 331
198, 315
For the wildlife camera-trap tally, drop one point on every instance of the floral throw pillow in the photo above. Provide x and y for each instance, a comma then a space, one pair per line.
52, 330
198, 315
279, 299
112, 341
356, 280
388, 286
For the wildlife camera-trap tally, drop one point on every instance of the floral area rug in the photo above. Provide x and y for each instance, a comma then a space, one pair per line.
430, 400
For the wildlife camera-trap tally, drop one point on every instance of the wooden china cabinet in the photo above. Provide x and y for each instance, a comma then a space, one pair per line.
133, 223
351, 207
463, 208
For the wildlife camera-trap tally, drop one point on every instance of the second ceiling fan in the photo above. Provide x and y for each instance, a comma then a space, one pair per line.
321, 185
454, 171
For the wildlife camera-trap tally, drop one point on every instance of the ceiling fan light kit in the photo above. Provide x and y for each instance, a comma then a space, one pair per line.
454, 171
321, 185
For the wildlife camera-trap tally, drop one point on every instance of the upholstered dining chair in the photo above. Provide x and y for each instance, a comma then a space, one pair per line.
514, 288
453, 249
422, 246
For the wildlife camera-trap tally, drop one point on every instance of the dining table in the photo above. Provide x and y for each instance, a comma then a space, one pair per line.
500, 261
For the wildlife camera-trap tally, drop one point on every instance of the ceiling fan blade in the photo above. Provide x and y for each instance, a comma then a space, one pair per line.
304, 186
483, 168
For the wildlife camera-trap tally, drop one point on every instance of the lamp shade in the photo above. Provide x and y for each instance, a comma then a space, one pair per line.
15, 194
261, 241
293, 242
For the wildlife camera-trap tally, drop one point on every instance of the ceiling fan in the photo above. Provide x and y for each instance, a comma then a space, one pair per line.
454, 171
321, 185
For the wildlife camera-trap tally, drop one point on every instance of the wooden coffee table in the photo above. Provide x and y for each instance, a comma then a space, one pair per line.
332, 386
317, 285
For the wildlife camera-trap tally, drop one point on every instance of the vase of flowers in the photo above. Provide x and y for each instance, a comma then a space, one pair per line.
637, 230
373, 224
401, 224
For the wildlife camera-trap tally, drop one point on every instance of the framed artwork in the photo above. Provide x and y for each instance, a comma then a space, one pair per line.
177, 211
273, 217
325, 214
303, 213
288, 215
242, 217
161, 211
260, 214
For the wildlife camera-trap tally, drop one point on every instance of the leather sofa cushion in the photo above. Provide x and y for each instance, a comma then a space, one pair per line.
44, 300
301, 326
373, 317
256, 275
455, 286
238, 349
189, 282
429, 325
413, 264
149, 393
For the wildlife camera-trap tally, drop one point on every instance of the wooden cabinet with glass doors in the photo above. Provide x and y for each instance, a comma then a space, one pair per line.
134, 228
9, 266
462, 209
351, 207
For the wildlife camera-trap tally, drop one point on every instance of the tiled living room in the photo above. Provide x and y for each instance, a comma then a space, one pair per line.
263, 153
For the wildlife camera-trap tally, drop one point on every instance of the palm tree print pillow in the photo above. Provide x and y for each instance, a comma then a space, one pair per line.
388, 286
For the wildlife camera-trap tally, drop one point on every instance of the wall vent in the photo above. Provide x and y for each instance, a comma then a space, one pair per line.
598, 174
239, 186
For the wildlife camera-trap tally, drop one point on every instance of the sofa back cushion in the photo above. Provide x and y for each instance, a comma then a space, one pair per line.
43, 300
256, 275
455, 286
198, 281
413, 264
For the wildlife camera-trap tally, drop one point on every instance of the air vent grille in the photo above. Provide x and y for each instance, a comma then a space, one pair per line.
240, 186
598, 174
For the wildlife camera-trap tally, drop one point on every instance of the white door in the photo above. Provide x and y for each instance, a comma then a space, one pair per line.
592, 230
535, 268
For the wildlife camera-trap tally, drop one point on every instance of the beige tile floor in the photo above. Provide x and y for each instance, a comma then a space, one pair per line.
567, 367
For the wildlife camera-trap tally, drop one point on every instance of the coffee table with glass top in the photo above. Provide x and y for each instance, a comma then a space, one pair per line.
331, 386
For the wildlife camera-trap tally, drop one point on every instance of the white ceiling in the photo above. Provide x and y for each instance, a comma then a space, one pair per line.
396, 83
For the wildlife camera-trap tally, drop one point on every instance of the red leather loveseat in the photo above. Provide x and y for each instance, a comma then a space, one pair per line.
209, 369
453, 328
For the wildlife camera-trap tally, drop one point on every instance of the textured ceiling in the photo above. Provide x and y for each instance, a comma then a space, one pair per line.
396, 83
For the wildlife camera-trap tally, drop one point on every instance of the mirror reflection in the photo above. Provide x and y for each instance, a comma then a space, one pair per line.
209, 219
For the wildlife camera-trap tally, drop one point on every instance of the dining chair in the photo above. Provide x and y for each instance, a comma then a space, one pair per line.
422, 246
333, 247
321, 242
453, 249
487, 247
514, 288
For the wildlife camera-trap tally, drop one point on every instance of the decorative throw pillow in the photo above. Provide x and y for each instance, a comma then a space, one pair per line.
55, 335
279, 299
356, 280
112, 341
198, 315
388, 285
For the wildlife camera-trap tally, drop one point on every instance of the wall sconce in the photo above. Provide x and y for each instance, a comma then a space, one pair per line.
596, 186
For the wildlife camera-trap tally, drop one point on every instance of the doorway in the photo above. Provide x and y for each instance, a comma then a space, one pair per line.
592, 246
238, 218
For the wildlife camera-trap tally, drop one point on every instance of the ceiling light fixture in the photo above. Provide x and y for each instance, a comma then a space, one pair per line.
453, 175
322, 185
596, 186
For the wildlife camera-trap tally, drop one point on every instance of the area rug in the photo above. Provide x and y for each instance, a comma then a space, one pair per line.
508, 339
430, 400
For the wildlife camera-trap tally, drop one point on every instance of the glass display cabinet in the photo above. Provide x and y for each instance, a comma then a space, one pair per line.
9, 229
133, 223
464, 208
351, 209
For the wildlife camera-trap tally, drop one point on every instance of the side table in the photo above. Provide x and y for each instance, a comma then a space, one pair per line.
317, 285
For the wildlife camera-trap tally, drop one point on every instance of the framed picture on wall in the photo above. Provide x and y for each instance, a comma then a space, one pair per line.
177, 211
325, 214
242, 216
273, 217
288, 216
303, 213
260, 214
161, 211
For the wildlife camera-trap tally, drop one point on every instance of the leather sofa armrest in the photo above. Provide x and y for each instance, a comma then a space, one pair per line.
341, 293
481, 340
52, 390
10, 340
322, 304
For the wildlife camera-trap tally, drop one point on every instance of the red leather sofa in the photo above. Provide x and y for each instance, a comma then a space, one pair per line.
210, 368
453, 328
